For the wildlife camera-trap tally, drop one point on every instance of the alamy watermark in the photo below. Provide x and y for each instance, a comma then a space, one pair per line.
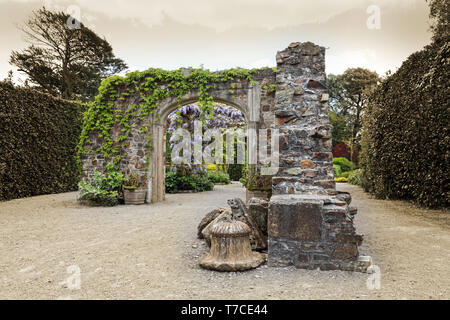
374, 20
74, 19
207, 146
373, 282
73, 11
73, 281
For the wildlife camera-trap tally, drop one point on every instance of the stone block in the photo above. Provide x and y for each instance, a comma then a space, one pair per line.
349, 238
297, 219
259, 208
345, 251
344, 196
314, 84
207, 219
307, 164
282, 252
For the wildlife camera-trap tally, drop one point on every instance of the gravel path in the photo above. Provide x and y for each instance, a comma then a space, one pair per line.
151, 251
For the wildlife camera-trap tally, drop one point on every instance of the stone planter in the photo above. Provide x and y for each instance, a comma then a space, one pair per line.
134, 196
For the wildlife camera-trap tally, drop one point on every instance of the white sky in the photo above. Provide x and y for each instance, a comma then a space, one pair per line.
247, 33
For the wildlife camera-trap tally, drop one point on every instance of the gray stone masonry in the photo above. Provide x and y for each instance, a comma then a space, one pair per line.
309, 224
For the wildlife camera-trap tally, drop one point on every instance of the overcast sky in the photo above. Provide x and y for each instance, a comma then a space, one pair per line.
220, 34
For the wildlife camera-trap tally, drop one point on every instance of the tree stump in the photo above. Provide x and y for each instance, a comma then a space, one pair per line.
230, 248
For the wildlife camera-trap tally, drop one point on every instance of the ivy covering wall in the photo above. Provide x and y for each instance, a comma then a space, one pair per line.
151, 86
38, 141
406, 141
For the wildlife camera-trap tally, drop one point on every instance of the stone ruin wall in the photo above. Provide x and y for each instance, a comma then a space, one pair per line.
256, 101
310, 225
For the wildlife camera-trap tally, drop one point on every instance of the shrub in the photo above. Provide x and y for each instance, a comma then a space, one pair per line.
131, 182
176, 182
218, 177
171, 182
235, 171
346, 174
343, 150
38, 143
102, 189
253, 180
202, 183
340, 179
344, 163
357, 178
406, 138
337, 170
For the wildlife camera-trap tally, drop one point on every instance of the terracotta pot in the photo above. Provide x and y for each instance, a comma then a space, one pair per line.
134, 196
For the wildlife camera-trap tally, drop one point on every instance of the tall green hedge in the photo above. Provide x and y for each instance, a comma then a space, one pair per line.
38, 139
406, 138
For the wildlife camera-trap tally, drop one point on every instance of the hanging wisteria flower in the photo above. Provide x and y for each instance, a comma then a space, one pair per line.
221, 118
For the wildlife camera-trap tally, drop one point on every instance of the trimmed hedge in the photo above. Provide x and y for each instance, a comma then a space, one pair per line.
176, 182
344, 164
406, 141
235, 171
38, 139
218, 177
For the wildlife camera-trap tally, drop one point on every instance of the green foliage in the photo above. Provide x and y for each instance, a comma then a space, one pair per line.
218, 177
176, 182
406, 140
346, 174
243, 178
235, 171
341, 132
102, 189
271, 87
38, 137
357, 177
172, 182
113, 181
152, 86
65, 62
253, 180
440, 17
349, 93
344, 164
337, 170
132, 181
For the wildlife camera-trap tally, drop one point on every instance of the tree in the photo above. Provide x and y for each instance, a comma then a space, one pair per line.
64, 60
349, 93
340, 133
439, 15
10, 77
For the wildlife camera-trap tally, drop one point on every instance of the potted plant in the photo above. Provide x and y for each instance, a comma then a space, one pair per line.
131, 192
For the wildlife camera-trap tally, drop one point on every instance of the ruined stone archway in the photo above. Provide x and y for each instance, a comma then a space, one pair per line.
156, 175
255, 98
244, 96
310, 226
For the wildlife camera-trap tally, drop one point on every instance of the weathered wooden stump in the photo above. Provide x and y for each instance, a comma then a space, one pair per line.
230, 248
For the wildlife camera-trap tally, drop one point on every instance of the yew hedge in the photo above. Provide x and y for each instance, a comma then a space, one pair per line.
38, 143
406, 141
